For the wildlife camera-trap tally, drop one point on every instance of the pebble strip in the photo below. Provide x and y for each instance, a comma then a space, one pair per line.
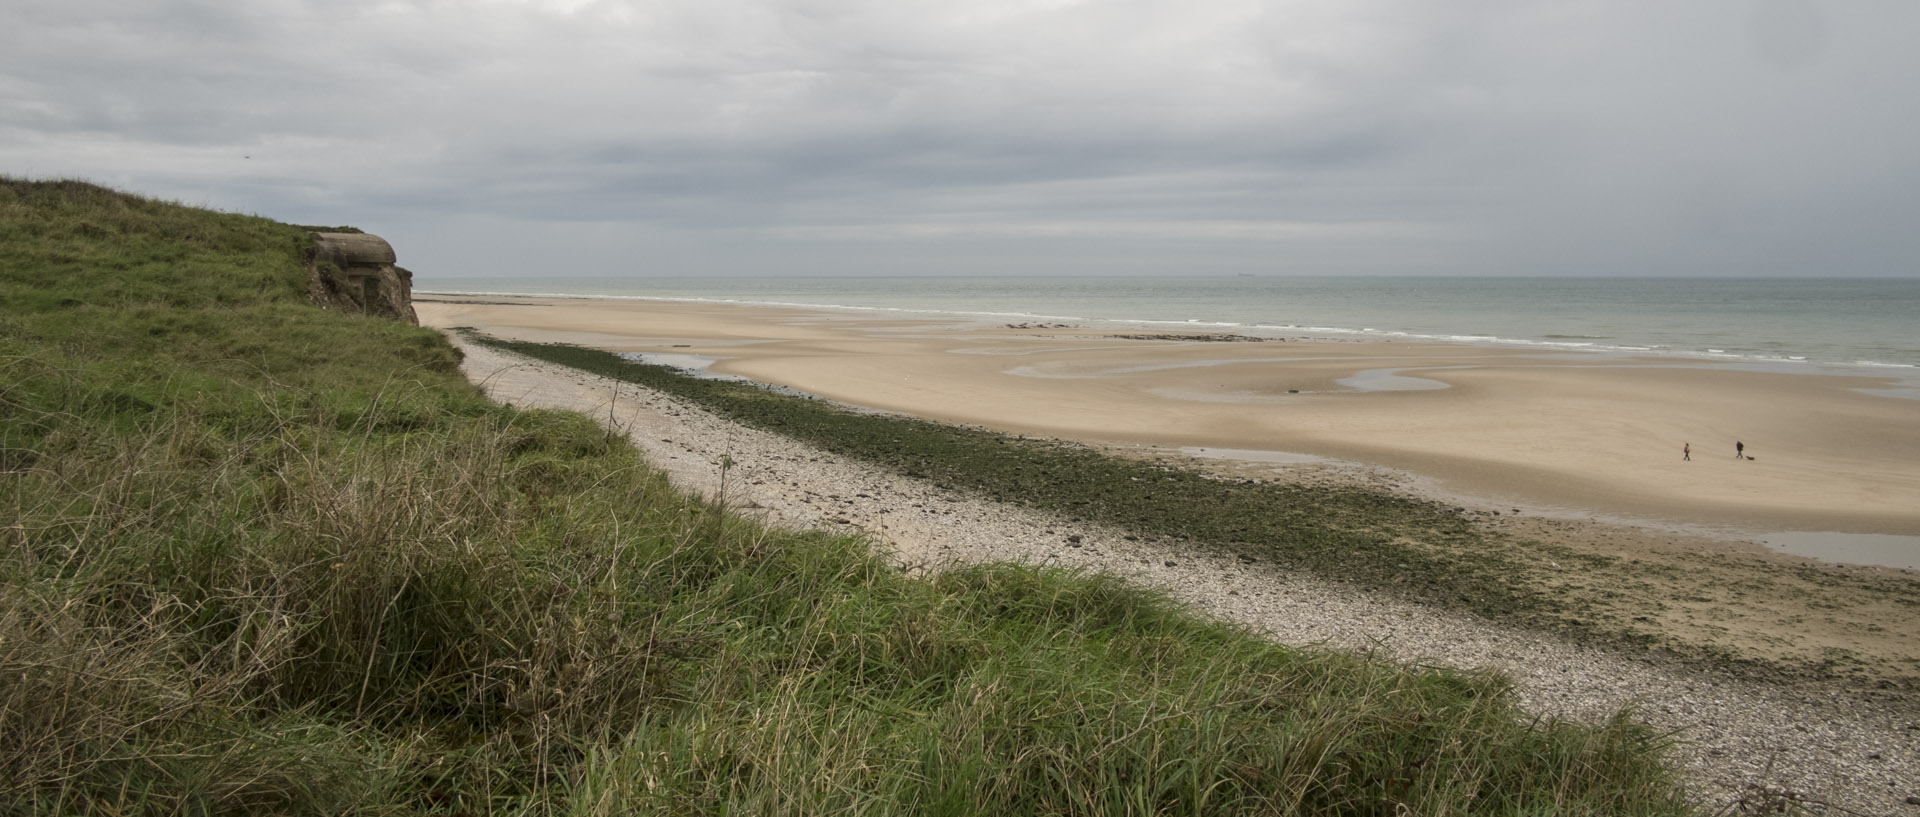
1743, 745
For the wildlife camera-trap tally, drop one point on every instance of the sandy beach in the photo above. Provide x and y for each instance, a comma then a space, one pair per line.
1581, 451
1565, 434
1744, 744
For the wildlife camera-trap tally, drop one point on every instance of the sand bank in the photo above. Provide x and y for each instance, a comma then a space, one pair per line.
1581, 434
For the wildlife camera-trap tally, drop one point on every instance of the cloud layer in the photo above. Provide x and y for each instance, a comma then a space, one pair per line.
685, 137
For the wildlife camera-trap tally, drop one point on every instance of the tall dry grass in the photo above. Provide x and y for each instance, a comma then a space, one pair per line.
261, 559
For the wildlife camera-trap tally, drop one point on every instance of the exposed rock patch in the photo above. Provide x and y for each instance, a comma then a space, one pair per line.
1210, 337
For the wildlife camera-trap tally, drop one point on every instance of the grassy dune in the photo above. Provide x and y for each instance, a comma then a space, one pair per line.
262, 558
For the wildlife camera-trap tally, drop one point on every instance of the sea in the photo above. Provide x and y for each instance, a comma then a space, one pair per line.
1865, 325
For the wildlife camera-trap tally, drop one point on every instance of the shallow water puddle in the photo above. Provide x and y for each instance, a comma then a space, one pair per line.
1393, 380
1251, 455
673, 360
1886, 550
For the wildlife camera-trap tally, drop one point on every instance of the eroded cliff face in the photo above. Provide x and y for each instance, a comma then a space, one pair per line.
355, 272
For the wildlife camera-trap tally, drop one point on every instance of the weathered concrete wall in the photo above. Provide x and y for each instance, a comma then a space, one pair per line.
355, 272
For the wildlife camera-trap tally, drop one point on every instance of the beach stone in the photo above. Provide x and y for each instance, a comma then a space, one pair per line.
1722, 723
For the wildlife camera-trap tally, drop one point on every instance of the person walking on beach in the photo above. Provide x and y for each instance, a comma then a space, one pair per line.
1739, 450
1686, 451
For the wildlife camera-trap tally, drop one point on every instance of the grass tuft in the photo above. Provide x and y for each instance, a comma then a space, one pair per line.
260, 558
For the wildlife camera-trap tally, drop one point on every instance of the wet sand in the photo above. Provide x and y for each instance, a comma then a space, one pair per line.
1574, 434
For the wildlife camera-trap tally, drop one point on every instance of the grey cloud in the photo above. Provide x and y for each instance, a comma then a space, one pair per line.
1584, 137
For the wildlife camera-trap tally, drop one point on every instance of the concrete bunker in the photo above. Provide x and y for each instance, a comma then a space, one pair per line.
355, 272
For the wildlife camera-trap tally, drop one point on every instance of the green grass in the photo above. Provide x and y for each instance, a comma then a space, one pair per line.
256, 557
1380, 541
1419, 549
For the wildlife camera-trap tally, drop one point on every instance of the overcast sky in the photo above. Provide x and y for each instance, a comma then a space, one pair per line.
693, 137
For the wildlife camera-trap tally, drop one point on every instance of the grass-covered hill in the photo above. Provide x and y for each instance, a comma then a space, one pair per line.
256, 557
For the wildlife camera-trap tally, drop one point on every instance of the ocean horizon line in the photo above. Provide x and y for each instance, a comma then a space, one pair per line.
1568, 342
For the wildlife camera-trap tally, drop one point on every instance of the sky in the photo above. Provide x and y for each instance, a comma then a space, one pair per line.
527, 138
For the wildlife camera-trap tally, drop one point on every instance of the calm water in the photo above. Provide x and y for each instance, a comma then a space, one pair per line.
1867, 323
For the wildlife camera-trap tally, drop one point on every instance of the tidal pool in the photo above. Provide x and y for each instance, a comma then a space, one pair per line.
1886, 550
